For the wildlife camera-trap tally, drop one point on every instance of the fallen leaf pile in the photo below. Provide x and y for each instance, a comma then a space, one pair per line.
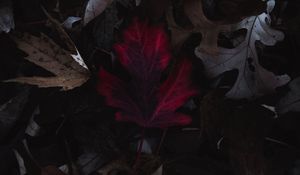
149, 87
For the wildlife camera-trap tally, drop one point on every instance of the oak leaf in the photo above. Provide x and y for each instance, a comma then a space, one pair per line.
201, 24
253, 80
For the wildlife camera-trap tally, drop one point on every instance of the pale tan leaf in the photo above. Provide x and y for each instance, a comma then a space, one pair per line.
62, 33
66, 38
178, 34
43, 52
68, 67
67, 83
209, 30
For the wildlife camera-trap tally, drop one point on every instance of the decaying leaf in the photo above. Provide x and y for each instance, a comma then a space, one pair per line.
159, 171
104, 28
43, 52
68, 66
241, 126
33, 128
245, 131
20, 160
71, 47
51, 170
150, 165
89, 162
11, 111
209, 30
214, 110
94, 8
115, 167
291, 101
253, 79
6, 16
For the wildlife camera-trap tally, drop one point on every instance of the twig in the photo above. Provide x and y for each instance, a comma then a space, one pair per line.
161, 141
139, 150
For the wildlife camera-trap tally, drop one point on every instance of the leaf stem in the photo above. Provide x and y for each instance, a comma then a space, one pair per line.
162, 138
139, 150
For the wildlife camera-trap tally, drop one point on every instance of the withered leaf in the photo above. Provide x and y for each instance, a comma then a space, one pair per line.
11, 111
159, 171
150, 165
114, 167
95, 8
209, 30
290, 102
45, 53
253, 80
51, 170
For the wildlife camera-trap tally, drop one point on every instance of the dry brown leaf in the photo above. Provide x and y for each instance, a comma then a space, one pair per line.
178, 34
114, 167
244, 134
68, 67
43, 52
51, 170
242, 126
209, 30
159, 171
62, 34
148, 165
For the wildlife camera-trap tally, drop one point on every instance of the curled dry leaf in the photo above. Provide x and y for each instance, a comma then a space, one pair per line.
94, 8
43, 52
209, 30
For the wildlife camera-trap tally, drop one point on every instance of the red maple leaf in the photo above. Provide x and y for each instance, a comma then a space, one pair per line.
144, 99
